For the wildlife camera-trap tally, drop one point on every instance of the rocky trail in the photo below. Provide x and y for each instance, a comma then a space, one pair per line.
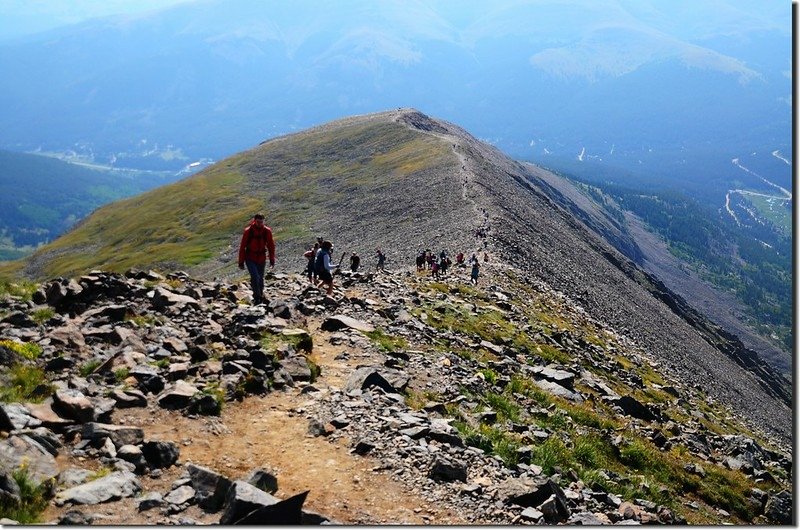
399, 400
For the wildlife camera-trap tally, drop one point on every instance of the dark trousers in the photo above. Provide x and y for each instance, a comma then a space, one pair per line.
256, 271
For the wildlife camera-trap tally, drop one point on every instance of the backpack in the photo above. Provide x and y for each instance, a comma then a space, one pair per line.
319, 261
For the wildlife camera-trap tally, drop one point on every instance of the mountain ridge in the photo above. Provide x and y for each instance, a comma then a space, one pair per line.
404, 182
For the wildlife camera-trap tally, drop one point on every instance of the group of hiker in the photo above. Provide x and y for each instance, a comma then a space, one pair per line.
427, 260
257, 245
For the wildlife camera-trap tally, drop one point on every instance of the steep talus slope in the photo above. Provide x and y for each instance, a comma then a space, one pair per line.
533, 232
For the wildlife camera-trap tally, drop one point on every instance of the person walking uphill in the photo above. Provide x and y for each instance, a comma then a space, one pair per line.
325, 267
256, 242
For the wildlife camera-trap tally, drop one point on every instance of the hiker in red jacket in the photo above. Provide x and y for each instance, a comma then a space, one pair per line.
256, 241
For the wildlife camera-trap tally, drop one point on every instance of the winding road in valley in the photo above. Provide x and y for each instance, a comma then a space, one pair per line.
786, 194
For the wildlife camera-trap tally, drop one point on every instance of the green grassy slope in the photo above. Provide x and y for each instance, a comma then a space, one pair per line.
294, 180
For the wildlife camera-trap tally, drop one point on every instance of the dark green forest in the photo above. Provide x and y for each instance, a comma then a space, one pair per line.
754, 262
41, 197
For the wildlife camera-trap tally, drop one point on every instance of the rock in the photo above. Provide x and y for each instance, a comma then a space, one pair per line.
119, 434
263, 480
633, 407
180, 495
19, 319
339, 322
363, 448
695, 469
75, 518
73, 405
494, 348
163, 298
134, 455
559, 377
533, 493
586, 519
286, 512
177, 396
555, 509
112, 487
297, 367
149, 501
160, 454
365, 377
48, 417
448, 471
128, 398
531, 514
5, 421
211, 488
778, 509
17, 451
10, 493
243, 498
558, 390
73, 476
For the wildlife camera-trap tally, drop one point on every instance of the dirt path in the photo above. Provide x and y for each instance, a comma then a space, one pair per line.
271, 432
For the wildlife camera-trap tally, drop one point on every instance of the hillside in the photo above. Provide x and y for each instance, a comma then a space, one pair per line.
144, 399
42, 197
568, 370
404, 182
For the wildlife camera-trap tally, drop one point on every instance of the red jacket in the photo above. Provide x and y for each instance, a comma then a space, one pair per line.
256, 241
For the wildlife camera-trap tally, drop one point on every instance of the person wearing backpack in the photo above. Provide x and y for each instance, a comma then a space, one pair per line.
256, 242
324, 266
311, 255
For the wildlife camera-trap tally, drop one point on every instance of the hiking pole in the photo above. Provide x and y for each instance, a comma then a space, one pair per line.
339, 266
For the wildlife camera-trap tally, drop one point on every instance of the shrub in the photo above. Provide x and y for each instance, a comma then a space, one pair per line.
32, 500
120, 374
386, 342
550, 454
24, 383
89, 367
40, 316
29, 350
505, 407
23, 290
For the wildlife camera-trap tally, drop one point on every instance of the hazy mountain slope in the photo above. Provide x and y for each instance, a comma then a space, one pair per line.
403, 181
41, 197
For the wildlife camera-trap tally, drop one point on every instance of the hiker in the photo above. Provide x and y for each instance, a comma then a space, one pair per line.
256, 242
310, 255
421, 261
381, 261
474, 258
475, 271
460, 259
355, 261
434, 268
324, 266
444, 265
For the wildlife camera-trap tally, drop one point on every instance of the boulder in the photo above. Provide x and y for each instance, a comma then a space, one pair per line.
164, 298
74, 405
128, 398
119, 434
211, 488
160, 454
339, 322
778, 509
177, 396
115, 486
559, 377
10, 493
180, 495
558, 390
286, 512
263, 480
365, 377
448, 471
242, 499
632, 407
17, 451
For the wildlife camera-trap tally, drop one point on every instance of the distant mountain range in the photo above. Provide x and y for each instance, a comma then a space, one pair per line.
633, 83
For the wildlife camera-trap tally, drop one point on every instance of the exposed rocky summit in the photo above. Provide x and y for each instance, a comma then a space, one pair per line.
504, 403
